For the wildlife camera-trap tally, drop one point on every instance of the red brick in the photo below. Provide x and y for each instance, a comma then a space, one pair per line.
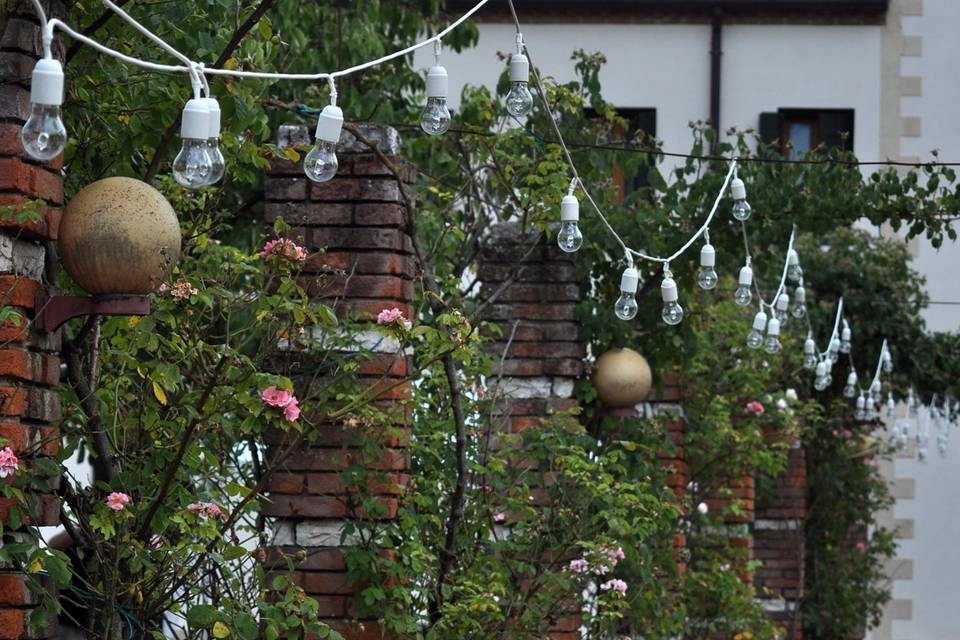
17, 291
34, 181
45, 227
304, 507
359, 286
309, 213
335, 484
384, 365
327, 583
17, 436
380, 215
14, 591
360, 238
285, 189
13, 624
13, 401
10, 140
356, 630
340, 459
361, 263
286, 483
368, 309
357, 190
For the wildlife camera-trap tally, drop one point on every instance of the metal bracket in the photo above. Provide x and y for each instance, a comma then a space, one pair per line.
50, 312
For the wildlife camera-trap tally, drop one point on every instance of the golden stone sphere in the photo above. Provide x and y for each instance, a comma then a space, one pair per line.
119, 235
622, 378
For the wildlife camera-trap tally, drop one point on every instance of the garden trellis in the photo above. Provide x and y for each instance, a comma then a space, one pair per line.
200, 163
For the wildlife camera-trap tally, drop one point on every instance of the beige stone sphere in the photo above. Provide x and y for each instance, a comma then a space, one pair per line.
119, 235
622, 378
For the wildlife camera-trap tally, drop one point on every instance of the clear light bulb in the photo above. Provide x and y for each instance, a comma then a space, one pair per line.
193, 165
772, 344
44, 135
833, 353
860, 413
782, 307
871, 409
320, 165
755, 337
846, 346
891, 406
743, 296
809, 354
626, 305
741, 208
218, 163
875, 389
794, 272
799, 302
850, 389
569, 238
887, 362
519, 101
435, 119
707, 276
672, 312
820, 380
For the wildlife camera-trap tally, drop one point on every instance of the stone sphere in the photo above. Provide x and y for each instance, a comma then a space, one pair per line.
622, 378
119, 235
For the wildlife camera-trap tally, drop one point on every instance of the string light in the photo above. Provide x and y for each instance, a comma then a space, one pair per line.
569, 238
850, 390
781, 307
44, 135
321, 163
846, 346
435, 118
742, 296
810, 354
193, 164
755, 337
626, 305
794, 272
672, 312
799, 310
707, 277
218, 163
772, 344
519, 101
741, 208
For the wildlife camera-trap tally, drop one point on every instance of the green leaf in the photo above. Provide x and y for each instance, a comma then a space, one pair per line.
201, 615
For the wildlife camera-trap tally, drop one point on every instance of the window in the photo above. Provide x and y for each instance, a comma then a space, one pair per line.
799, 131
641, 124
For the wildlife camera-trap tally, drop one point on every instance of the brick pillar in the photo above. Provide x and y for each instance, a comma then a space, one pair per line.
29, 366
778, 543
357, 220
532, 290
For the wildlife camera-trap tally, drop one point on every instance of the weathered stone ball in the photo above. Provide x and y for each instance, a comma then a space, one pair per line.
622, 378
119, 235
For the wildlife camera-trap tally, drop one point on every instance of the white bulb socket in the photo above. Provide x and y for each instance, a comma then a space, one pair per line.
773, 327
783, 302
630, 280
708, 256
760, 321
793, 259
437, 82
809, 347
835, 345
875, 387
569, 209
195, 123
330, 124
845, 334
746, 277
46, 87
519, 68
821, 369
738, 190
668, 290
861, 402
800, 295
214, 109
852, 378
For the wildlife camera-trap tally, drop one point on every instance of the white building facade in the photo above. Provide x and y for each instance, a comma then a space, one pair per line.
885, 70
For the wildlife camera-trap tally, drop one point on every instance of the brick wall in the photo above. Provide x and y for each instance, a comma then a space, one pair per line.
361, 263
29, 365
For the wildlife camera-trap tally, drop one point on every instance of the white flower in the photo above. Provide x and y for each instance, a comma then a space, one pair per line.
781, 405
792, 394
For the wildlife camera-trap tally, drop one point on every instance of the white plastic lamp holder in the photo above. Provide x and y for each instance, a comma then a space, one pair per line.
437, 82
47, 83
330, 124
569, 209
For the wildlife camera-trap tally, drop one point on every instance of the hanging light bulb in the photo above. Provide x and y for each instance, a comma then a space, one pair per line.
850, 389
871, 408
44, 135
672, 313
891, 406
781, 307
833, 353
626, 306
755, 337
887, 362
569, 238
846, 346
820, 381
742, 296
707, 277
218, 164
193, 165
741, 208
321, 163
860, 413
794, 272
435, 119
772, 344
809, 354
875, 388
799, 302
519, 101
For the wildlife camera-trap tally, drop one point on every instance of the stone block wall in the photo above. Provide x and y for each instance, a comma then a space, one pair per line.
29, 362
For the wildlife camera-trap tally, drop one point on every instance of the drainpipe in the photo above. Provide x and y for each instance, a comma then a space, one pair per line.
716, 51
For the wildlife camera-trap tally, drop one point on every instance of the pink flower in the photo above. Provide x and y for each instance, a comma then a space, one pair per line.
118, 501
755, 408
579, 566
282, 399
283, 248
292, 411
613, 555
163, 288
616, 585
8, 462
861, 547
499, 516
847, 434
207, 510
391, 316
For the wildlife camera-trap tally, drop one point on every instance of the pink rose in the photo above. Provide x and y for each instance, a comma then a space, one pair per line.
118, 501
499, 516
276, 397
613, 555
292, 411
755, 408
861, 547
8, 462
615, 585
390, 316
285, 249
579, 566
207, 510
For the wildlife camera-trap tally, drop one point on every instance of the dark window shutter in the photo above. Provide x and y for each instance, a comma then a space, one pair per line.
836, 128
769, 128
